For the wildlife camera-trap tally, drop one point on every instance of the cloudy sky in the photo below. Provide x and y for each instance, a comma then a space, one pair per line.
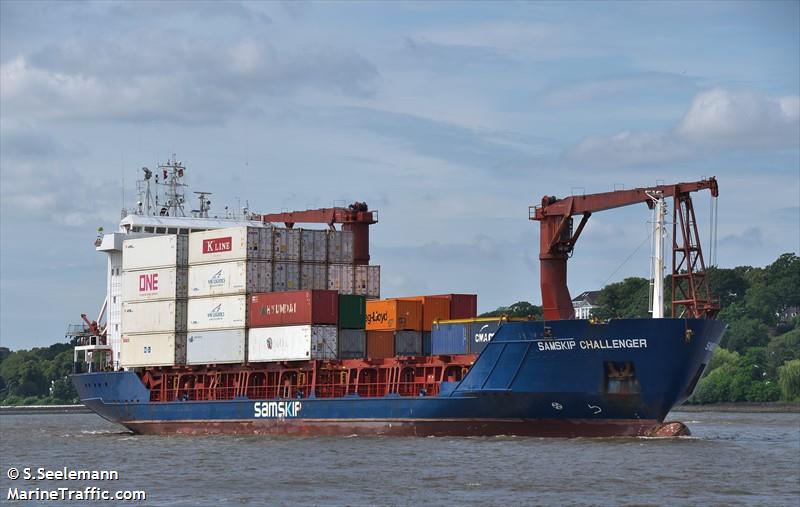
449, 118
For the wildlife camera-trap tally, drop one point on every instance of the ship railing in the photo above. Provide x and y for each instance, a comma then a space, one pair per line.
362, 389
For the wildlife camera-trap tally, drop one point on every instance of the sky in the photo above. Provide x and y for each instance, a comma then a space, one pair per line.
448, 118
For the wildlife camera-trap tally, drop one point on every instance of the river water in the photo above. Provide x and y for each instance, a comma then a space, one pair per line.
731, 459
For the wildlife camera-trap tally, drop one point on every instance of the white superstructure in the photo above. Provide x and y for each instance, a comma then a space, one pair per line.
155, 213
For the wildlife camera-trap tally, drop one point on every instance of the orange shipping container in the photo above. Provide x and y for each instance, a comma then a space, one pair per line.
380, 344
394, 314
433, 308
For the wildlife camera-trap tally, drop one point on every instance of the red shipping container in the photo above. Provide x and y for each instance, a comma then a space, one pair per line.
299, 307
380, 344
462, 306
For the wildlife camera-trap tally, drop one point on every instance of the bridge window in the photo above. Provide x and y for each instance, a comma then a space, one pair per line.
184, 231
161, 230
148, 229
172, 230
137, 228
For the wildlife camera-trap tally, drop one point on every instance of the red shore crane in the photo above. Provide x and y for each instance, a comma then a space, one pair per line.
356, 218
690, 292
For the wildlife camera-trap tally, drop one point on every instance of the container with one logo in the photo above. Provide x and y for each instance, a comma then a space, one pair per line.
231, 244
154, 284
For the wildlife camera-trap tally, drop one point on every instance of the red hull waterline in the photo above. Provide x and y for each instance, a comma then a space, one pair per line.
567, 428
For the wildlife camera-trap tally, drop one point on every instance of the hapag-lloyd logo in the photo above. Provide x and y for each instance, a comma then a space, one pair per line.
376, 317
216, 313
215, 245
216, 279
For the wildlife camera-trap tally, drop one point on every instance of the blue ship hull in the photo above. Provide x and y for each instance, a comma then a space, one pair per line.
557, 378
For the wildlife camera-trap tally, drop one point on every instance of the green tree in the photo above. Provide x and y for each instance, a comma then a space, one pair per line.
729, 285
745, 333
782, 348
789, 380
626, 299
518, 309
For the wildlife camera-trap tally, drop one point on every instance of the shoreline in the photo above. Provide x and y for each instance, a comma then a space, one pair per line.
44, 409
742, 407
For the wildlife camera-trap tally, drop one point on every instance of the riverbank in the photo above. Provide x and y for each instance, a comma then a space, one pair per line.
43, 409
743, 407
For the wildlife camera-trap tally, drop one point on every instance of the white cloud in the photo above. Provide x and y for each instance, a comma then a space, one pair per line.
735, 119
718, 119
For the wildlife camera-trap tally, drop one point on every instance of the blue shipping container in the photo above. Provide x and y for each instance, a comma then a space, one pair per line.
480, 334
426, 343
449, 338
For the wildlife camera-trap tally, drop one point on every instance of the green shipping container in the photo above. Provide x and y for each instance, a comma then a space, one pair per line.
352, 311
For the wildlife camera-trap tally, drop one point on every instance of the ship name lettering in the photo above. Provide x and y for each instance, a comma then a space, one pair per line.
623, 343
277, 409
556, 345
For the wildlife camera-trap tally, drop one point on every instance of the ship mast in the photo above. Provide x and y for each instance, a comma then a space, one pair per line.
657, 265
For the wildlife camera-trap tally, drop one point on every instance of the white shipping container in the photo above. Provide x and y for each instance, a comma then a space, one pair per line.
154, 317
291, 343
341, 278
313, 276
167, 251
216, 347
287, 244
286, 276
165, 349
340, 247
231, 244
373, 282
154, 284
314, 246
229, 278
218, 312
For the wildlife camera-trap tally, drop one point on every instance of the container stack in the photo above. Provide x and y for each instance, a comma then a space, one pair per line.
293, 326
352, 324
225, 266
394, 328
154, 292
313, 260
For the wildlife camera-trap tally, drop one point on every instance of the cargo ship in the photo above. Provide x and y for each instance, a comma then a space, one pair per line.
248, 325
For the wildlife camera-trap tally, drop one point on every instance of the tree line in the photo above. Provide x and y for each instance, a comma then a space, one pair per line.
758, 358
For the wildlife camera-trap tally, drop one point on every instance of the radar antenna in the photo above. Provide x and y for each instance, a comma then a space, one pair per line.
205, 205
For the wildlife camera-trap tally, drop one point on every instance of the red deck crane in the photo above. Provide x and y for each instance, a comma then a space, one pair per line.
690, 292
356, 218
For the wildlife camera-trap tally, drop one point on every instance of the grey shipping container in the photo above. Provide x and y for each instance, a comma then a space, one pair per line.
340, 277
367, 281
314, 246
340, 247
408, 343
481, 332
352, 343
313, 276
450, 338
216, 346
286, 276
287, 244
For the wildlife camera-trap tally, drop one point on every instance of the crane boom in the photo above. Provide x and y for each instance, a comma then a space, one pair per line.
557, 241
